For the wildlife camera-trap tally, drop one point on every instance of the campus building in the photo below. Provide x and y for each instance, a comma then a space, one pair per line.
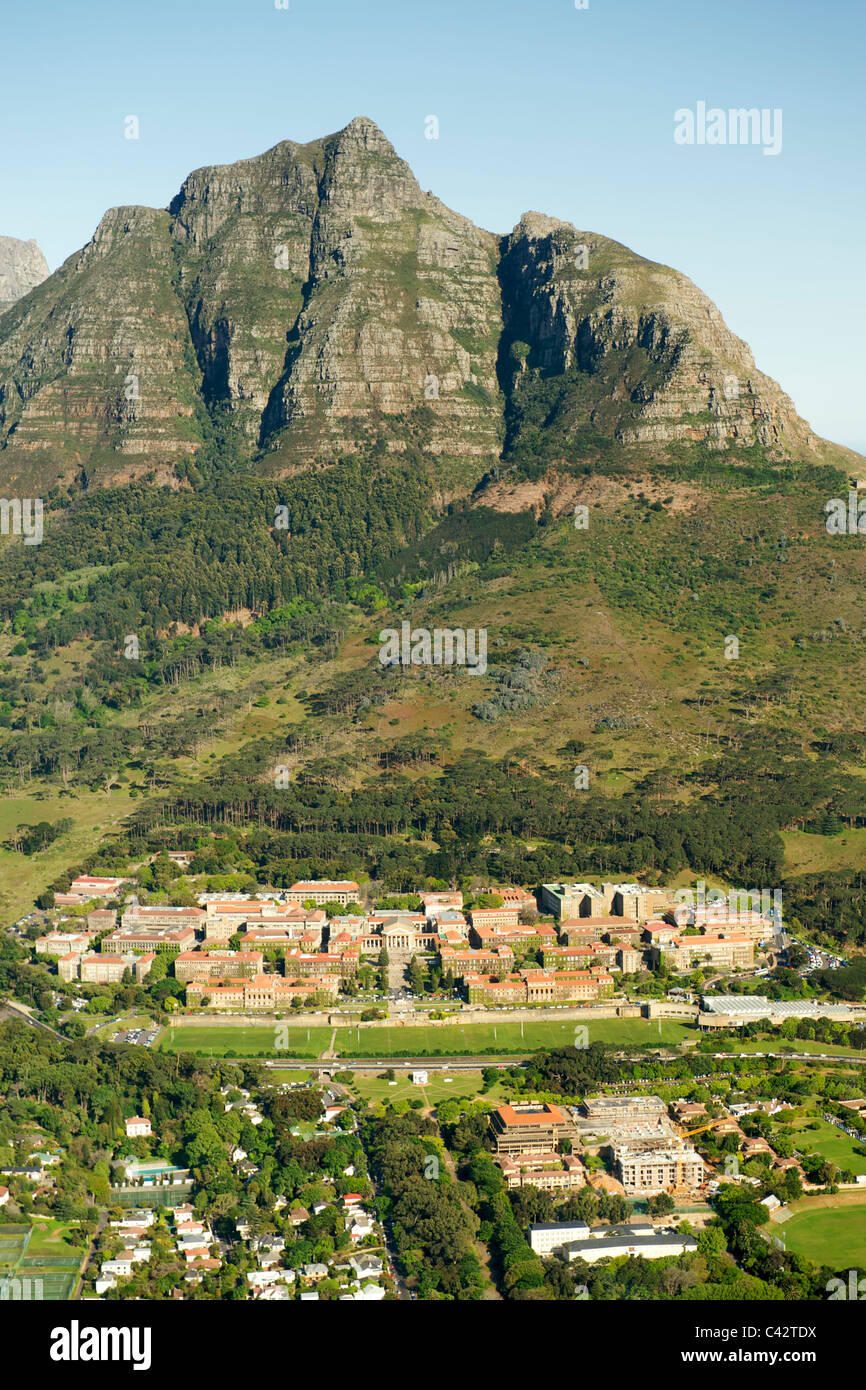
147, 941
97, 968
635, 901
685, 952
217, 965
549, 1172
260, 994
539, 987
576, 1242
148, 917
320, 891
564, 900
321, 963
520, 937
649, 1170
225, 917
505, 916
496, 959
530, 1129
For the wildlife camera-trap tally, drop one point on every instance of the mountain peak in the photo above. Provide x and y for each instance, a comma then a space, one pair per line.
536, 225
364, 132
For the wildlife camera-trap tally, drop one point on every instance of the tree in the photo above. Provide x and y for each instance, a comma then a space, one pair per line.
417, 976
662, 1204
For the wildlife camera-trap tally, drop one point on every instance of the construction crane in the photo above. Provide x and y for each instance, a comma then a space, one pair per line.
700, 1129
680, 1184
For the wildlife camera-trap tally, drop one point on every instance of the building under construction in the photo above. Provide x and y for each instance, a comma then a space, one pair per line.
648, 1170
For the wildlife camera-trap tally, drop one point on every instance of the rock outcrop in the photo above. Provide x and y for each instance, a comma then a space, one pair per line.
22, 268
317, 300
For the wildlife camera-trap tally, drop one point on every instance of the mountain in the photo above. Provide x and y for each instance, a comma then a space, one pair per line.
307, 403
314, 302
22, 268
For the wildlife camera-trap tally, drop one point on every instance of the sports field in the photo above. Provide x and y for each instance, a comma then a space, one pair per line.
38, 1263
257, 1039
836, 1237
392, 1040
471, 1039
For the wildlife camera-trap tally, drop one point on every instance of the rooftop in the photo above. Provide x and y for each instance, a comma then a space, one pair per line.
531, 1114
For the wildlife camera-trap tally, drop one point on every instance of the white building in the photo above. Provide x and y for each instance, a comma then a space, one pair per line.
137, 1127
609, 1242
545, 1236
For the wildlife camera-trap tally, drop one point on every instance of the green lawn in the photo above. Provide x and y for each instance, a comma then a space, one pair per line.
459, 1039
816, 854
464, 1085
389, 1040
52, 1238
828, 1141
836, 1238
783, 1045
243, 1042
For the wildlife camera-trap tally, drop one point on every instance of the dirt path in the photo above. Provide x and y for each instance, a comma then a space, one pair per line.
82, 1273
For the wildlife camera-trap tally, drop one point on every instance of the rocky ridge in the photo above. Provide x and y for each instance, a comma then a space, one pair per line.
318, 300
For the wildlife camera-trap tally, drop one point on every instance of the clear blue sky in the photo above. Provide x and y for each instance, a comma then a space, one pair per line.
540, 105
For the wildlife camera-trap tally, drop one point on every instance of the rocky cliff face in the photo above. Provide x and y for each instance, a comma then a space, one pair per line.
320, 301
325, 291
637, 351
22, 268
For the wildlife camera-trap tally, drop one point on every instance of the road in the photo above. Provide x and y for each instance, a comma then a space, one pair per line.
23, 1012
430, 1064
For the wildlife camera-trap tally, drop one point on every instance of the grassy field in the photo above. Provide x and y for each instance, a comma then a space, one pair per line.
457, 1039
834, 1236
816, 854
243, 1042
52, 1238
783, 1045
512, 1039
277, 1077
828, 1141
24, 876
465, 1085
